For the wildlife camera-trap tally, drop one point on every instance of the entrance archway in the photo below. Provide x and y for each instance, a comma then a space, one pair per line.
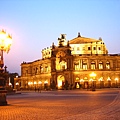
60, 81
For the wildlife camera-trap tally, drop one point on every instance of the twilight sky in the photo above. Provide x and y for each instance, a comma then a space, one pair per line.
36, 24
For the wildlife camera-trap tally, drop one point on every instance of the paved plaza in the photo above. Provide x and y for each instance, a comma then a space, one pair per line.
101, 104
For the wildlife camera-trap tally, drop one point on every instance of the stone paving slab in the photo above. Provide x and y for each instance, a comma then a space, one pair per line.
63, 105
109, 112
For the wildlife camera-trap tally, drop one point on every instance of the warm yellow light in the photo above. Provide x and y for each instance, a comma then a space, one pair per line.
77, 86
29, 83
5, 41
59, 83
92, 74
101, 79
76, 72
17, 83
81, 80
91, 80
116, 79
35, 83
2, 35
108, 79
39, 82
10, 84
46, 82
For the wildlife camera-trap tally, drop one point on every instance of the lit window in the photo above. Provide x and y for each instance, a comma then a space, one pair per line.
93, 65
100, 65
41, 69
46, 68
63, 65
83, 48
78, 48
84, 66
107, 65
76, 66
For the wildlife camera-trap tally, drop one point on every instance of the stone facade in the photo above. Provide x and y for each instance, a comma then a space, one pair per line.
78, 63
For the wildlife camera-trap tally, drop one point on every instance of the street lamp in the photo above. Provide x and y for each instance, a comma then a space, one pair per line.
35, 85
109, 82
40, 83
116, 81
5, 44
101, 82
93, 75
17, 85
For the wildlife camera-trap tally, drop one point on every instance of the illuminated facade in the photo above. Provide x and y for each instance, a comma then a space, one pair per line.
81, 62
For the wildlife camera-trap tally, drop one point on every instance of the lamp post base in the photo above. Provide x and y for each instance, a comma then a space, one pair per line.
3, 97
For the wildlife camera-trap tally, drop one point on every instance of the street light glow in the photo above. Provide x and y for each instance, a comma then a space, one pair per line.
92, 74
116, 79
5, 41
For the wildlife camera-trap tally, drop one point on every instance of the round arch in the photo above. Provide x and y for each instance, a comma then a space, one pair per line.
60, 81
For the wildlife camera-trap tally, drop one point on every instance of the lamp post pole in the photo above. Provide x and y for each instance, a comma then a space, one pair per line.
40, 85
93, 75
5, 43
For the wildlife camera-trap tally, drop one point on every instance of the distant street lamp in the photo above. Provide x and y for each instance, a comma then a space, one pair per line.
35, 85
116, 82
101, 82
40, 83
5, 44
109, 82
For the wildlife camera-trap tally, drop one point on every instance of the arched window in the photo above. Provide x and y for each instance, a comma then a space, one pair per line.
84, 66
63, 65
107, 65
41, 69
46, 68
93, 65
100, 65
76, 64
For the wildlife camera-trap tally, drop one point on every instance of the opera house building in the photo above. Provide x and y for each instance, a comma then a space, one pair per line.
80, 63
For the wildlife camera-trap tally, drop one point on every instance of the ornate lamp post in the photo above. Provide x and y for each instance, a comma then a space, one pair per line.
5, 43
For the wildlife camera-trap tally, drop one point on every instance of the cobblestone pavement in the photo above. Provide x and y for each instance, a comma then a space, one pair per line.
63, 105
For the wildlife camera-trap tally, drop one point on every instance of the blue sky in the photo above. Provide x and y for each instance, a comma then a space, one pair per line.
36, 24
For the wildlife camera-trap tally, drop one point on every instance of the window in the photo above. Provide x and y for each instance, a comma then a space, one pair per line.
94, 48
107, 65
88, 48
99, 48
26, 72
46, 68
41, 69
84, 66
76, 66
92, 65
100, 65
78, 48
63, 65
36, 70
83, 48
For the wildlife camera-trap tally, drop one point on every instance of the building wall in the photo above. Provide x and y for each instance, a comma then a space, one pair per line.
81, 68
